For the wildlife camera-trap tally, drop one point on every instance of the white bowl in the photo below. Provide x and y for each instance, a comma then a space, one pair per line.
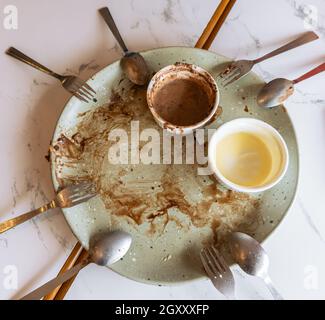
270, 136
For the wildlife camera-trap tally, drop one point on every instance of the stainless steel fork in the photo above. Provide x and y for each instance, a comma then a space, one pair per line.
73, 84
218, 271
67, 197
240, 68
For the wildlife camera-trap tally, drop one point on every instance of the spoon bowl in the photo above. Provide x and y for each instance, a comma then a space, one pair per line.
248, 254
133, 64
275, 93
251, 257
135, 68
279, 90
109, 247
105, 249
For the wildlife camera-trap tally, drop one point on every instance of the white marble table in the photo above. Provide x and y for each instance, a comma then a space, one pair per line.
69, 35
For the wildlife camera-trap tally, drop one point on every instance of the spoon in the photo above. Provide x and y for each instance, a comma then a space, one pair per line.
279, 90
133, 64
252, 258
104, 249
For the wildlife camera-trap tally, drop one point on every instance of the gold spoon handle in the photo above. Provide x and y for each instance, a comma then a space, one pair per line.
4, 226
15, 53
105, 13
40, 292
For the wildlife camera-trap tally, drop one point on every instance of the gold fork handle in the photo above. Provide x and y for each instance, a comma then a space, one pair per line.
15, 53
305, 38
9, 224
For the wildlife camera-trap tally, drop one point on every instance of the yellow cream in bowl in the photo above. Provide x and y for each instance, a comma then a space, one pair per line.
248, 155
244, 159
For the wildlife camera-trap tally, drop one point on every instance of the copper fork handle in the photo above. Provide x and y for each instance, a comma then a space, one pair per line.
11, 223
15, 53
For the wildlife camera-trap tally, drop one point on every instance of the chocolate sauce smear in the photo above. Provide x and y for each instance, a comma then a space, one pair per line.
148, 197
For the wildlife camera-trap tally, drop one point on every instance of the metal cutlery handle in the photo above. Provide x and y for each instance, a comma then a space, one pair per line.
9, 224
276, 295
311, 73
305, 38
105, 13
15, 53
40, 292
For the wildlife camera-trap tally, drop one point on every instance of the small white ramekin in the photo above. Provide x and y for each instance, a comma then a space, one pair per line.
252, 126
181, 70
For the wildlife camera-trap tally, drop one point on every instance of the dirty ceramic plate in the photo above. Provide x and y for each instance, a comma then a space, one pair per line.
170, 210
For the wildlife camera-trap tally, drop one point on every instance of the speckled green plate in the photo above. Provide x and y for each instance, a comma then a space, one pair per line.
169, 210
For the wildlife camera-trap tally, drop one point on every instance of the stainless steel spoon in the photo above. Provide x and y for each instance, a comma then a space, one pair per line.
104, 249
279, 90
133, 64
252, 258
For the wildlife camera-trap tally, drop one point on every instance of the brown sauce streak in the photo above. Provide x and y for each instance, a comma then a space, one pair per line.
138, 207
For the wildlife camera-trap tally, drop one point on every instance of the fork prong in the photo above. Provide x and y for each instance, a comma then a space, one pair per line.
75, 194
206, 265
89, 87
82, 91
83, 94
87, 91
227, 69
220, 258
77, 95
233, 79
215, 260
84, 198
231, 75
77, 86
82, 194
81, 188
81, 83
211, 263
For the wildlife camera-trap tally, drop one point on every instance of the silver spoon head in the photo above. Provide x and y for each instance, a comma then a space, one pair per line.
135, 68
248, 254
109, 247
275, 93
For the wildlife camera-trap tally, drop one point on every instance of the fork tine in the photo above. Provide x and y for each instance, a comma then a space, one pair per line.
82, 199
211, 263
77, 95
233, 80
231, 75
81, 195
220, 258
206, 265
83, 94
215, 260
87, 91
83, 84
227, 69
82, 187
89, 87
82, 91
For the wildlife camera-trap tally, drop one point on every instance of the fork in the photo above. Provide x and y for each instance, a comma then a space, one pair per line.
66, 198
73, 84
218, 271
240, 68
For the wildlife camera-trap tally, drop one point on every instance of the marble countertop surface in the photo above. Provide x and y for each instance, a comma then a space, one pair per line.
70, 36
